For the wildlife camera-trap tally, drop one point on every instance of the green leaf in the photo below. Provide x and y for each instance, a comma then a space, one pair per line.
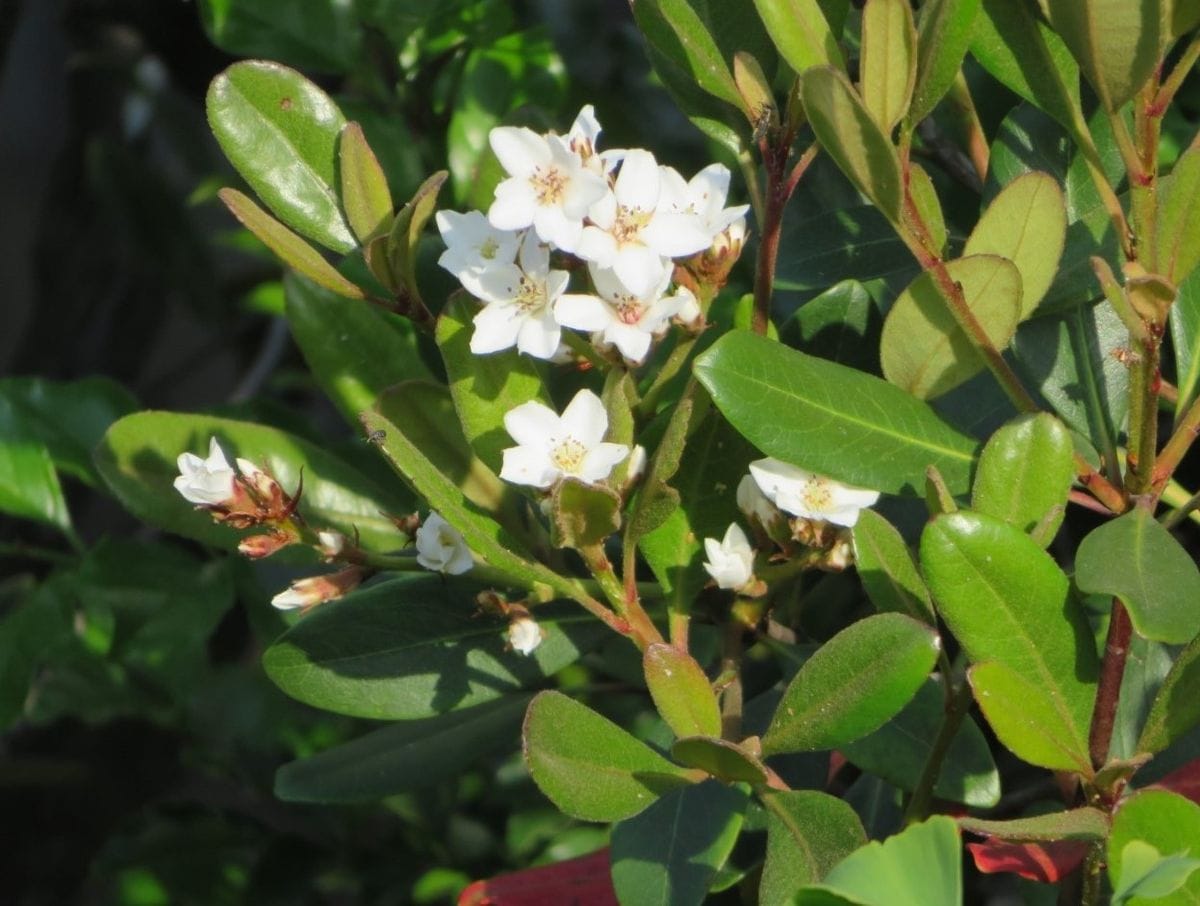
1139, 561
589, 767
852, 138
1027, 224
137, 460
929, 207
696, 50
1022, 52
1167, 822
944, 30
405, 235
888, 60
830, 419
1185, 340
670, 853
1006, 600
681, 691
484, 387
726, 761
280, 132
365, 194
583, 514
885, 565
899, 750
416, 647
29, 487
842, 324
1117, 43
855, 682
1176, 707
1148, 874
881, 874
287, 246
657, 500
322, 36
1178, 230
1025, 474
405, 756
808, 832
1028, 720
1185, 17
1076, 824
923, 350
801, 33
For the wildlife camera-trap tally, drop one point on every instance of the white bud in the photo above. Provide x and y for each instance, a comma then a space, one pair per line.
206, 482
731, 560
441, 548
524, 635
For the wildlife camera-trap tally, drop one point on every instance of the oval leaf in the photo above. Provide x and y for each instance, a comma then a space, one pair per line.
720, 758
885, 565
280, 132
854, 683
801, 33
588, 766
1139, 561
831, 419
365, 193
944, 30
888, 61
924, 350
681, 692
808, 832
1169, 823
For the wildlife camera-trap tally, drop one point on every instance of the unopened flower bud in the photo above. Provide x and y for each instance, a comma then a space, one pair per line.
524, 635
258, 546
206, 482
318, 589
731, 560
441, 547
332, 544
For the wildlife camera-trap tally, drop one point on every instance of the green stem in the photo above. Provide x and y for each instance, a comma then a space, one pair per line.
749, 168
1166, 94
675, 361
731, 697
922, 797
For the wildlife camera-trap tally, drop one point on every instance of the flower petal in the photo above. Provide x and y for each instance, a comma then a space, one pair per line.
598, 463
497, 327
532, 424
582, 312
585, 419
519, 149
528, 465
637, 183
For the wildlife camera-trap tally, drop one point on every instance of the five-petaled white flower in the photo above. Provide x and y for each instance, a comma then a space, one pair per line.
548, 188
809, 495
207, 482
440, 546
551, 447
519, 308
703, 196
524, 635
474, 246
730, 560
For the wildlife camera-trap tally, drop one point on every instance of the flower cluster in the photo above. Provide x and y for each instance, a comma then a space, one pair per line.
624, 214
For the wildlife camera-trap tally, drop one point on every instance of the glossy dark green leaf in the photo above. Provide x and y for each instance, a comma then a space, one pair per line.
944, 30
1176, 707
416, 647
289, 247
1185, 341
808, 832
852, 138
881, 874
670, 853
583, 514
1076, 824
923, 350
1025, 473
726, 761
319, 35
1006, 600
818, 250
842, 324
365, 194
801, 33
1027, 224
681, 691
29, 487
589, 767
833, 420
885, 565
280, 131
405, 756
137, 459
1139, 561
855, 682
1168, 822
899, 750
888, 60
1178, 236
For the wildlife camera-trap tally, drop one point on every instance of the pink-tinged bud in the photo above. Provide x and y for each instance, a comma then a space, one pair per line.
318, 589
258, 546
258, 482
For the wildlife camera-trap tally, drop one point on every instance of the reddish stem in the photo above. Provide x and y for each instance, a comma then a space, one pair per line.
1108, 692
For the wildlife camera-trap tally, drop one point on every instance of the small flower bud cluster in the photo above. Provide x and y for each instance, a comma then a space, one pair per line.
628, 217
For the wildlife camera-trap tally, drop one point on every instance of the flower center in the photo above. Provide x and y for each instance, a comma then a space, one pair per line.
489, 248
629, 310
568, 455
817, 495
550, 185
629, 223
531, 295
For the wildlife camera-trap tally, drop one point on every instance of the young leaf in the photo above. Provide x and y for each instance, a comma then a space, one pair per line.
403, 757
853, 684
1165, 821
405, 235
1139, 561
589, 767
831, 419
808, 832
924, 350
1178, 236
1027, 224
671, 852
1025, 474
365, 194
1076, 824
852, 138
1176, 707
1185, 339
1006, 600
720, 758
681, 692
657, 500
1148, 874
280, 132
801, 33
929, 206
583, 514
944, 30
888, 62
417, 647
287, 246
885, 566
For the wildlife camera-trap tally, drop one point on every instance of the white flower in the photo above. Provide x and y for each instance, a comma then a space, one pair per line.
807, 494
752, 502
548, 186
519, 308
623, 318
474, 246
524, 635
632, 234
584, 134
207, 482
731, 560
704, 196
294, 597
441, 547
637, 463
551, 447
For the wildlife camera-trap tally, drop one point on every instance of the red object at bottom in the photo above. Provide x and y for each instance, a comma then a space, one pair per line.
1046, 862
585, 881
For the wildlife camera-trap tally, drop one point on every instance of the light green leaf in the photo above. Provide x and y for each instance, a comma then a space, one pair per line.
888, 61
1178, 237
29, 487
365, 194
696, 50
808, 832
885, 565
944, 30
681, 691
1185, 340
801, 33
928, 205
1176, 707
1147, 874
1166, 821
